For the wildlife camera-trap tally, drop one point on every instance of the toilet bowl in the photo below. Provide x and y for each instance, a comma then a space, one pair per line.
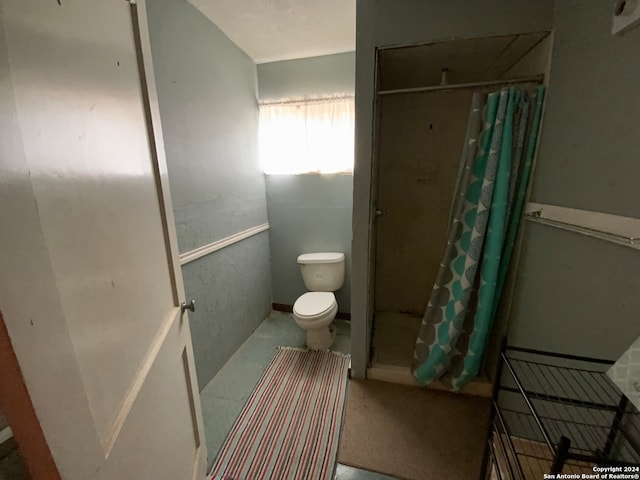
314, 311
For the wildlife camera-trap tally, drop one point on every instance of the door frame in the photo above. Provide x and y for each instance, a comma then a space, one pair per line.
15, 403
156, 146
373, 207
363, 218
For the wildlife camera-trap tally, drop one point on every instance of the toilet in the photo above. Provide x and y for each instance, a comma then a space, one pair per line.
314, 311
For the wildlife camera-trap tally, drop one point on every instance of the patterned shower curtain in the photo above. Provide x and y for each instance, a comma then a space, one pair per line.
483, 224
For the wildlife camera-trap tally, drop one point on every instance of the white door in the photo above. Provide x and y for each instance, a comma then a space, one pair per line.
90, 286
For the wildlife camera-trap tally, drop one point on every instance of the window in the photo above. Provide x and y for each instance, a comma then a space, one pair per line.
304, 136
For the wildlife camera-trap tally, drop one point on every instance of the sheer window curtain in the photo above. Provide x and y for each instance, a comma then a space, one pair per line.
310, 135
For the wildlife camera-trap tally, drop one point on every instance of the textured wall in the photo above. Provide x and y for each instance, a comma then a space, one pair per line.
386, 23
589, 148
207, 93
576, 294
232, 289
307, 76
308, 213
207, 90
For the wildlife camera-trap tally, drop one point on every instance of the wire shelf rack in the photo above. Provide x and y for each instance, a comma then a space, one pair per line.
556, 413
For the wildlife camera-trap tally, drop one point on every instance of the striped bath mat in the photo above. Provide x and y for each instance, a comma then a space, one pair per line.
290, 426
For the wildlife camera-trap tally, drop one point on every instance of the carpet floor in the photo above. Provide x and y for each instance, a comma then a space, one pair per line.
413, 433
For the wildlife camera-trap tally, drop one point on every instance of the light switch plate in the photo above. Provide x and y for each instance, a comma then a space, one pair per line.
626, 16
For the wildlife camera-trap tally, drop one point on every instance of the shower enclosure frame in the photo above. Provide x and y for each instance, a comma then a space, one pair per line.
491, 358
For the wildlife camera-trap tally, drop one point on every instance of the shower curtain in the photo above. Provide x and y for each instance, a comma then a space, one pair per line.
483, 224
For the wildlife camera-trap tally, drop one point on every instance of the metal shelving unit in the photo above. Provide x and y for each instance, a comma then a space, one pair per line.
556, 413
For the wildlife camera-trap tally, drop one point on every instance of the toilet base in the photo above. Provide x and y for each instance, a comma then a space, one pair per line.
321, 338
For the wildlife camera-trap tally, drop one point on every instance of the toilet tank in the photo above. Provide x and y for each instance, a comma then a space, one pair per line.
323, 271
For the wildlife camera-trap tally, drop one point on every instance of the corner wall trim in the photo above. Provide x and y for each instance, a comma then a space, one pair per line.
616, 229
220, 244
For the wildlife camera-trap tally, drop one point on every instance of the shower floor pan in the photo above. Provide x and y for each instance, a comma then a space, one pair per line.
394, 338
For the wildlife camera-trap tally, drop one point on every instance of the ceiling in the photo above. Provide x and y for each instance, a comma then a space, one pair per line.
467, 60
271, 30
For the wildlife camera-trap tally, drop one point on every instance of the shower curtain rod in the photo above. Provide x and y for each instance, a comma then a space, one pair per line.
536, 78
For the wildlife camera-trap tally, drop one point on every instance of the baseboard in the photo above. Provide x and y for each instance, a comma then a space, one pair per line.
480, 386
283, 307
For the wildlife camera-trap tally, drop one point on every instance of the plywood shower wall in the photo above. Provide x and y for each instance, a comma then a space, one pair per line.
421, 141
420, 145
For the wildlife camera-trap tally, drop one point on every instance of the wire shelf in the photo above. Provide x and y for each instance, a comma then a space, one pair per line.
556, 413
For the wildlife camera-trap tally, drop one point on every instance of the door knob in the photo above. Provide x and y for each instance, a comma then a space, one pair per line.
188, 306
380, 213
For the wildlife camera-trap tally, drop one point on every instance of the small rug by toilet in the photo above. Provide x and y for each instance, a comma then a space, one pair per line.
290, 426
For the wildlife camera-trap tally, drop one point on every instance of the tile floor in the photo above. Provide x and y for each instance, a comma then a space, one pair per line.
225, 395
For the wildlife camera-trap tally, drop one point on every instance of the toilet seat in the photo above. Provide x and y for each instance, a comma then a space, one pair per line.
314, 304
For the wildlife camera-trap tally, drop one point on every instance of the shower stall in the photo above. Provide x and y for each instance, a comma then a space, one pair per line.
423, 100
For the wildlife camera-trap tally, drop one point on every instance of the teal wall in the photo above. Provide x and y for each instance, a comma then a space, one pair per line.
307, 76
386, 23
207, 91
590, 143
232, 291
308, 213
207, 88
576, 294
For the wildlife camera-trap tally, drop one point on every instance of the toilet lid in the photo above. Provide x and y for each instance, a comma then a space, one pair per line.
312, 304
